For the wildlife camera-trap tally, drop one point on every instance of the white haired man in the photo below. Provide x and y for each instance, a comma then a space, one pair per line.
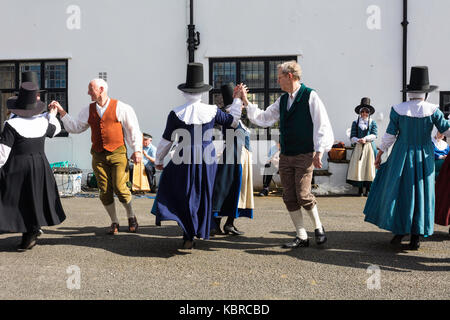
112, 123
305, 134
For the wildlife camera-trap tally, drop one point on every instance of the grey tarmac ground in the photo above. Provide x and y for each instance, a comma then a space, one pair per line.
150, 265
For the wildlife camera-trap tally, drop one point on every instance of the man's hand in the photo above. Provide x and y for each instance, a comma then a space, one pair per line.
136, 157
317, 160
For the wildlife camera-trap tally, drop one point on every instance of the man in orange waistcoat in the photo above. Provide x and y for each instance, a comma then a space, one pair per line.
112, 122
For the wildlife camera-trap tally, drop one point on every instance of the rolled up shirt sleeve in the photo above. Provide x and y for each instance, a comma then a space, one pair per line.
323, 136
264, 118
162, 150
78, 125
236, 111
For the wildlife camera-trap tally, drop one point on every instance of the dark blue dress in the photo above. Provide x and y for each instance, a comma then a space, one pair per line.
185, 189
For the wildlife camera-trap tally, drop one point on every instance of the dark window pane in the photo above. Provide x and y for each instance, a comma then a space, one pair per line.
31, 66
252, 74
274, 96
7, 76
61, 97
55, 74
223, 73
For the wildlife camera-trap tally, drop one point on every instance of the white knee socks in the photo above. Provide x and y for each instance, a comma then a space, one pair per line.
297, 219
129, 209
111, 209
314, 215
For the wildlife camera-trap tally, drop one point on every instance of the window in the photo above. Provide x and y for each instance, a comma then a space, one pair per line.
444, 102
260, 74
52, 75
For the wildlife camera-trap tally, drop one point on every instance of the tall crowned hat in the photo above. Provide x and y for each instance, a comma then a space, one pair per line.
227, 93
26, 104
365, 103
31, 76
419, 81
194, 79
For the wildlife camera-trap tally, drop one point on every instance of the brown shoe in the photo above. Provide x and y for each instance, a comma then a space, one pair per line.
132, 224
114, 230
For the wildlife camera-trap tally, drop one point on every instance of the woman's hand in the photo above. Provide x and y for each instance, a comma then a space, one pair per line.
378, 159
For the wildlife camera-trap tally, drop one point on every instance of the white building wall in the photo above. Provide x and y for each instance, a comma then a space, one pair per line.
142, 46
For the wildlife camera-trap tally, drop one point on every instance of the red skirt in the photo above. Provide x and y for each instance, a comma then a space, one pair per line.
442, 216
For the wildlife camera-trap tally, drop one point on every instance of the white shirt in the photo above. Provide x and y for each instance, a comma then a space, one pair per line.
125, 115
322, 131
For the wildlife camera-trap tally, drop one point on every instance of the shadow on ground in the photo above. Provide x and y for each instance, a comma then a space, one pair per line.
344, 248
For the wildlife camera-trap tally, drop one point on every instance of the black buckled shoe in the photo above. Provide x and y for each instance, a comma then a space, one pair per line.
320, 236
414, 243
232, 229
297, 243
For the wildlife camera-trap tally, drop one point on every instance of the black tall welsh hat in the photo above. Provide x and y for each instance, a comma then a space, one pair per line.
26, 103
365, 103
31, 76
227, 93
419, 81
194, 79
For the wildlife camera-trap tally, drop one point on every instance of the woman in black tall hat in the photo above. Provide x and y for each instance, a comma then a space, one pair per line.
361, 170
402, 197
29, 195
186, 183
233, 186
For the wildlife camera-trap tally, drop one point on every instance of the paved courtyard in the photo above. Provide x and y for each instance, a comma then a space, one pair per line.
77, 260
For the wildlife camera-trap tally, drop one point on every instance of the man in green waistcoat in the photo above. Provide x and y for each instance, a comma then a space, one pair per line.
305, 135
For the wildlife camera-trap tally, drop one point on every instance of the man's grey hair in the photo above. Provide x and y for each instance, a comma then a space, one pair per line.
291, 67
100, 83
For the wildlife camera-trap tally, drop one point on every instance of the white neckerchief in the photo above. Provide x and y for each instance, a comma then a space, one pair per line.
416, 108
194, 111
363, 124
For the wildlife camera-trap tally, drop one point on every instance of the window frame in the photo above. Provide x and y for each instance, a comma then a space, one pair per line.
42, 63
266, 90
442, 94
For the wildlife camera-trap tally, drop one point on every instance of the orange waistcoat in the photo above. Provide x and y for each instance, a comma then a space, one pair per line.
106, 132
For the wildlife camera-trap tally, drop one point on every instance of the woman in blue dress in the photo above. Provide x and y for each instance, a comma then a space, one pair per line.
233, 187
361, 169
186, 183
402, 196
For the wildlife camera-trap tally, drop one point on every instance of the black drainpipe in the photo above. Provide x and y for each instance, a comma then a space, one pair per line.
194, 37
405, 44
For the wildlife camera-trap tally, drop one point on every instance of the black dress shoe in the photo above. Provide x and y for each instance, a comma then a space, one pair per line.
264, 193
397, 239
29, 240
188, 244
320, 236
414, 243
297, 243
231, 229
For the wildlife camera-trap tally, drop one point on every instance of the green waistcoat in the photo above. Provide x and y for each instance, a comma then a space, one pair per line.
296, 126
